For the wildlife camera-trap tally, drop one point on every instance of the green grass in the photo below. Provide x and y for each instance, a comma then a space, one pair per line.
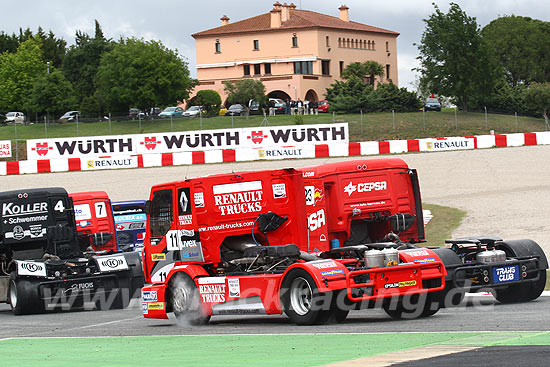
366, 127
238, 350
442, 225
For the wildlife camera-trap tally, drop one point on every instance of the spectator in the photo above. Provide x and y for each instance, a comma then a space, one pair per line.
300, 106
314, 105
306, 107
287, 105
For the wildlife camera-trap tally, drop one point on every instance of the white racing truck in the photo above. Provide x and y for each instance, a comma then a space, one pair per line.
42, 265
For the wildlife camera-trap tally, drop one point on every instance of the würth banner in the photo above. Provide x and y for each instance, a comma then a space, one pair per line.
276, 136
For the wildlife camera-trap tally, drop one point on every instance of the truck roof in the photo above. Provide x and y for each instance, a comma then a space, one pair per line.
33, 192
89, 195
347, 166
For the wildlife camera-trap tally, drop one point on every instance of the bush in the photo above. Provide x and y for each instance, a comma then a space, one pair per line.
209, 99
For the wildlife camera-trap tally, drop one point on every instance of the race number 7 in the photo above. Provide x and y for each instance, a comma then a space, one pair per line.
100, 210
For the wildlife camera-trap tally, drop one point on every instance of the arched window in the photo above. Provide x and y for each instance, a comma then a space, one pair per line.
339, 42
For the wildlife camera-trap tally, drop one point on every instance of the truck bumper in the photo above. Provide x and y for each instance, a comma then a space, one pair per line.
153, 301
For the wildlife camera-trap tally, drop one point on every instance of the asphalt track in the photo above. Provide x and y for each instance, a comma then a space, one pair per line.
505, 191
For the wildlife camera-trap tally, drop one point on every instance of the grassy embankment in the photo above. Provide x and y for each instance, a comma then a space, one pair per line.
371, 126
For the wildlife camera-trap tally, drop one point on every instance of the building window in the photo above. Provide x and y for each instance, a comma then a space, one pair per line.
325, 67
373, 46
339, 42
267, 68
387, 71
327, 41
341, 67
294, 40
387, 47
257, 69
256, 45
246, 69
303, 67
218, 47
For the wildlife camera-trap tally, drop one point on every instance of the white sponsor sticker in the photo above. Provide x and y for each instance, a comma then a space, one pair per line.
199, 199
323, 264
31, 268
82, 211
234, 287
237, 187
112, 263
279, 191
212, 280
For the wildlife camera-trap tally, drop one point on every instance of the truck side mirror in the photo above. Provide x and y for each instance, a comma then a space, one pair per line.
270, 221
101, 238
147, 208
401, 222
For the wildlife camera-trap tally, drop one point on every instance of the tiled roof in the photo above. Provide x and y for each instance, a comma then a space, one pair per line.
299, 19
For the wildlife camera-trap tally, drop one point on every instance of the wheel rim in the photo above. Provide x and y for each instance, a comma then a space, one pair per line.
13, 294
181, 299
300, 296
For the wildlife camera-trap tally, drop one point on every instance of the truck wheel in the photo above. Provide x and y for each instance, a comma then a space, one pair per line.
432, 304
185, 301
301, 300
24, 296
524, 292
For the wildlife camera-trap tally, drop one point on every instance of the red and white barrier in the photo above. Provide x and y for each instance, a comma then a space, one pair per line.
272, 153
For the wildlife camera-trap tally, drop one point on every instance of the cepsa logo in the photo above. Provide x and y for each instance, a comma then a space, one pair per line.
365, 187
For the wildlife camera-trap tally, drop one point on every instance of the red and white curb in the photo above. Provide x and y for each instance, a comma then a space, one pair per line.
273, 153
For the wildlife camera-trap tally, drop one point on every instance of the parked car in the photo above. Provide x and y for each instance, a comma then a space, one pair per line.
235, 110
69, 116
136, 113
323, 106
432, 104
254, 108
279, 104
17, 117
193, 111
172, 112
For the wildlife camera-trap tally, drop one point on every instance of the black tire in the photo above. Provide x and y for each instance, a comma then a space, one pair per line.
185, 301
24, 296
413, 306
527, 291
301, 300
450, 259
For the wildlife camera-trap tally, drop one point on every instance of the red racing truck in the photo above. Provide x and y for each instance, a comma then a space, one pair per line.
312, 243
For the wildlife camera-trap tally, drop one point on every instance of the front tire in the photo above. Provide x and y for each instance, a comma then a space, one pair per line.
185, 301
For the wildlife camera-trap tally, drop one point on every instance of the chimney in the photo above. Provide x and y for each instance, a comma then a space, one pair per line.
225, 20
276, 18
285, 14
292, 6
344, 15
277, 6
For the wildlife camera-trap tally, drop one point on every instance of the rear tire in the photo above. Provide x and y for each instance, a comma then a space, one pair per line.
24, 296
527, 291
185, 301
301, 300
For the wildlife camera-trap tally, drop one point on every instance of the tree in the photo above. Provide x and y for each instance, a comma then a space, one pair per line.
53, 49
245, 90
522, 46
209, 99
538, 96
142, 74
366, 71
18, 73
81, 63
454, 59
53, 93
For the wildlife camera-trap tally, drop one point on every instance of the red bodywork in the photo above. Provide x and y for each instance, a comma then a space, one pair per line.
323, 106
93, 214
191, 224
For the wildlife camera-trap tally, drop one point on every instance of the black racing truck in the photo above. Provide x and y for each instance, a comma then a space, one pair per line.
44, 266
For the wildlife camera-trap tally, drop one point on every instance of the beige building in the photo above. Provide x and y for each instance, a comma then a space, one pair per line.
297, 54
